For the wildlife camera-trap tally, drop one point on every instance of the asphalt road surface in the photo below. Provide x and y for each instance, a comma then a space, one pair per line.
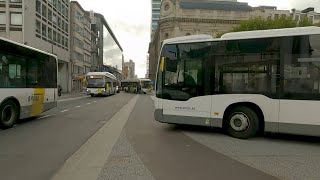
117, 137
36, 148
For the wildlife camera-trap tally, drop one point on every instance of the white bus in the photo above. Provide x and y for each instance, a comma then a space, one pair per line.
146, 86
28, 82
244, 82
101, 83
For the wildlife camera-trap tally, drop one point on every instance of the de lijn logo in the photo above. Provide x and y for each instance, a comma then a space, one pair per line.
34, 97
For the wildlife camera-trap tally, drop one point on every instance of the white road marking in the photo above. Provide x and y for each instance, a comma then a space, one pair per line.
95, 101
65, 110
78, 107
44, 117
88, 103
69, 99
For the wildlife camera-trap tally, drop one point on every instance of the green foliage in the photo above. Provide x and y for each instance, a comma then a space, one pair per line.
304, 22
260, 23
318, 24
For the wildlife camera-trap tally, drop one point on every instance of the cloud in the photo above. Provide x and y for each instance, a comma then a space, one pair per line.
130, 21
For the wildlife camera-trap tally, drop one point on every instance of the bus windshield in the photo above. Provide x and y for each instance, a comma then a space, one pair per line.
95, 82
145, 84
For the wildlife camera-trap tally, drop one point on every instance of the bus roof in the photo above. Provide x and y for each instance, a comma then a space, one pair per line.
191, 38
109, 75
131, 80
145, 79
25, 46
298, 31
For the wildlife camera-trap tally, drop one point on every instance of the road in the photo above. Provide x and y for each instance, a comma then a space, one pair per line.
117, 138
37, 148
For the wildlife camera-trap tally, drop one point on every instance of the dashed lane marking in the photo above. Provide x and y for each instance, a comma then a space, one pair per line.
44, 117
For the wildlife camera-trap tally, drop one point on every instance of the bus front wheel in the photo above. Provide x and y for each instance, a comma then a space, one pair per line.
242, 123
9, 114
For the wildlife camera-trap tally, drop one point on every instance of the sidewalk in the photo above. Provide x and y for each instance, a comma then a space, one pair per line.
71, 95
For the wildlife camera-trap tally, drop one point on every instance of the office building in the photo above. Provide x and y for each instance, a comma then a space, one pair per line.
108, 50
42, 24
80, 45
155, 7
130, 66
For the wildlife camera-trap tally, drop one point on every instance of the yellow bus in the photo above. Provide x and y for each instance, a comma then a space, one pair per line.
101, 83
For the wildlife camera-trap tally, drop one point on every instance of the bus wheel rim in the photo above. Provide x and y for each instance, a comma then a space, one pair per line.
239, 122
7, 113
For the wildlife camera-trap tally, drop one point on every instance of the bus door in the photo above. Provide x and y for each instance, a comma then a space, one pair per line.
108, 86
184, 98
299, 104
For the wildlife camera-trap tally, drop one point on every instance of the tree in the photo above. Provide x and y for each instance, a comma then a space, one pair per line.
260, 23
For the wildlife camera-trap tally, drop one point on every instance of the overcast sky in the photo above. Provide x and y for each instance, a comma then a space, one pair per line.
130, 21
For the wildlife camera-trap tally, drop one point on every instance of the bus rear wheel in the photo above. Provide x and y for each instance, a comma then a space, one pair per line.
242, 123
9, 114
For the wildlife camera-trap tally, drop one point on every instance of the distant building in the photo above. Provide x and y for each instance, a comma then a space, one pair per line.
113, 71
80, 44
309, 13
94, 42
147, 68
155, 14
125, 72
131, 68
42, 24
108, 50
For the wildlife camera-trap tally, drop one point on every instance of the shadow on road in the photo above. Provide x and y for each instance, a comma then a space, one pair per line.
268, 136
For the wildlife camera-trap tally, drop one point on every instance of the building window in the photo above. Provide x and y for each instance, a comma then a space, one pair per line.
50, 1
62, 40
38, 26
188, 34
58, 38
63, 9
78, 16
78, 29
54, 34
66, 27
16, 1
44, 11
54, 19
49, 15
50, 33
276, 16
3, 18
44, 30
66, 43
55, 3
16, 18
38, 7
59, 6
62, 25
59, 22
